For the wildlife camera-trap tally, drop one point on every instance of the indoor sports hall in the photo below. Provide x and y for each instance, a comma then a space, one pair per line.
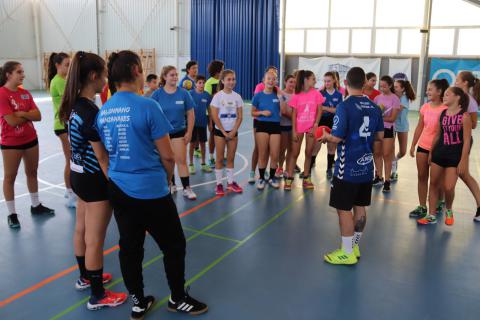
102, 101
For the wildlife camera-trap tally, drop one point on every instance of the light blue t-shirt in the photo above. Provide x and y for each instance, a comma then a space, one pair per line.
263, 101
357, 120
202, 101
401, 123
175, 106
128, 125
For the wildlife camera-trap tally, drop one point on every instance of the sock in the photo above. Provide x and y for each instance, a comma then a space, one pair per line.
262, 173
347, 244
272, 172
81, 267
230, 175
96, 281
173, 179
394, 166
211, 156
330, 160
11, 206
356, 237
219, 175
185, 182
478, 212
35, 199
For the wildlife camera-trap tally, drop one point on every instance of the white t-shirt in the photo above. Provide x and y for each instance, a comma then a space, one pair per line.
227, 104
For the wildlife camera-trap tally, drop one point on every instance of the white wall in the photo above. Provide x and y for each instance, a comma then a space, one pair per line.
71, 25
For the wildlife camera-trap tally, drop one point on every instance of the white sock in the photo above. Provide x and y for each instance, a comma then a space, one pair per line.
11, 206
394, 165
356, 237
211, 156
219, 175
35, 199
347, 244
230, 175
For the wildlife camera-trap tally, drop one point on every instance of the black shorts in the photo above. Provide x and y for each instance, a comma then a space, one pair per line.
326, 121
445, 161
199, 134
219, 133
421, 150
388, 133
269, 127
255, 122
345, 195
24, 146
179, 134
59, 132
90, 187
286, 128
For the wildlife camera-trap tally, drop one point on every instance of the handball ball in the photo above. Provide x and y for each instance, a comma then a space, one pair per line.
187, 84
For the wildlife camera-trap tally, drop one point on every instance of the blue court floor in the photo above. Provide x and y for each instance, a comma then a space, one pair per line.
258, 255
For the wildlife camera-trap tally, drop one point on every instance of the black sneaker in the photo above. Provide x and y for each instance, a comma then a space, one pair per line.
297, 169
377, 181
418, 213
187, 305
386, 187
140, 308
477, 216
13, 221
41, 209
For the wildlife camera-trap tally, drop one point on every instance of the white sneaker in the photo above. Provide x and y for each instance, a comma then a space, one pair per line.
188, 193
71, 201
173, 189
260, 184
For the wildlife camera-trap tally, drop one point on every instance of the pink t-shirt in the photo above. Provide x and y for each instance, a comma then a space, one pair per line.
431, 118
387, 103
260, 87
306, 104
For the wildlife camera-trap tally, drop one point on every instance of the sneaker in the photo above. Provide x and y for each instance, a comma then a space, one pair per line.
191, 169
340, 257
274, 183
13, 221
197, 153
189, 194
440, 206
429, 219
41, 209
251, 178
173, 189
477, 216
141, 308
212, 163
394, 177
110, 299
260, 184
83, 284
386, 187
307, 183
449, 218
356, 251
187, 305
288, 184
71, 201
394, 166
234, 187
297, 169
301, 175
330, 174
279, 173
419, 212
219, 190
377, 181
206, 168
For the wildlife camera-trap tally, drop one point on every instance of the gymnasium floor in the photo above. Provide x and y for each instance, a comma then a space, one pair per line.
258, 255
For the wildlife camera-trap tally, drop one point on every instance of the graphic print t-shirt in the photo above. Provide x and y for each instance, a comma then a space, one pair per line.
227, 105
306, 104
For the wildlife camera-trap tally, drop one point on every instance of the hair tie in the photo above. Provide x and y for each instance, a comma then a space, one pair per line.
81, 54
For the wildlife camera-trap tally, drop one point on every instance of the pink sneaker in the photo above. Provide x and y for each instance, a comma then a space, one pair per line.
234, 187
219, 190
279, 172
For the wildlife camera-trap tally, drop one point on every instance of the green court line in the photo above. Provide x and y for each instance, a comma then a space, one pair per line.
211, 235
232, 250
148, 263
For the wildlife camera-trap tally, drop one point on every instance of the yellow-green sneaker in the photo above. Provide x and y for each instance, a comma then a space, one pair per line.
340, 257
356, 251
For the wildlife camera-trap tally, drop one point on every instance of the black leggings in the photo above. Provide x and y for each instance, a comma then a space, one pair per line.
160, 218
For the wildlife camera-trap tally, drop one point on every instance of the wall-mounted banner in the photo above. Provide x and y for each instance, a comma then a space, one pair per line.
324, 64
448, 69
400, 69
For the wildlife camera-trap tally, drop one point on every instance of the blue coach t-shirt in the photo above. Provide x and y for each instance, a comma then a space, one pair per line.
175, 106
128, 125
202, 101
331, 101
356, 121
267, 101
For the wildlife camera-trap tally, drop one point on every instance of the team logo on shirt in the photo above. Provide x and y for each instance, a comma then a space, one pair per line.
204, 100
179, 102
335, 122
365, 159
24, 97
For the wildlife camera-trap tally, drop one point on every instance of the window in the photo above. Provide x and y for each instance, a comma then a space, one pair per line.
468, 42
441, 41
316, 41
386, 41
339, 41
454, 13
411, 41
294, 40
361, 40
351, 13
307, 14
405, 13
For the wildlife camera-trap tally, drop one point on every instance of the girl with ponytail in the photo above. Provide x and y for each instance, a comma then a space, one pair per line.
88, 165
58, 65
18, 139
